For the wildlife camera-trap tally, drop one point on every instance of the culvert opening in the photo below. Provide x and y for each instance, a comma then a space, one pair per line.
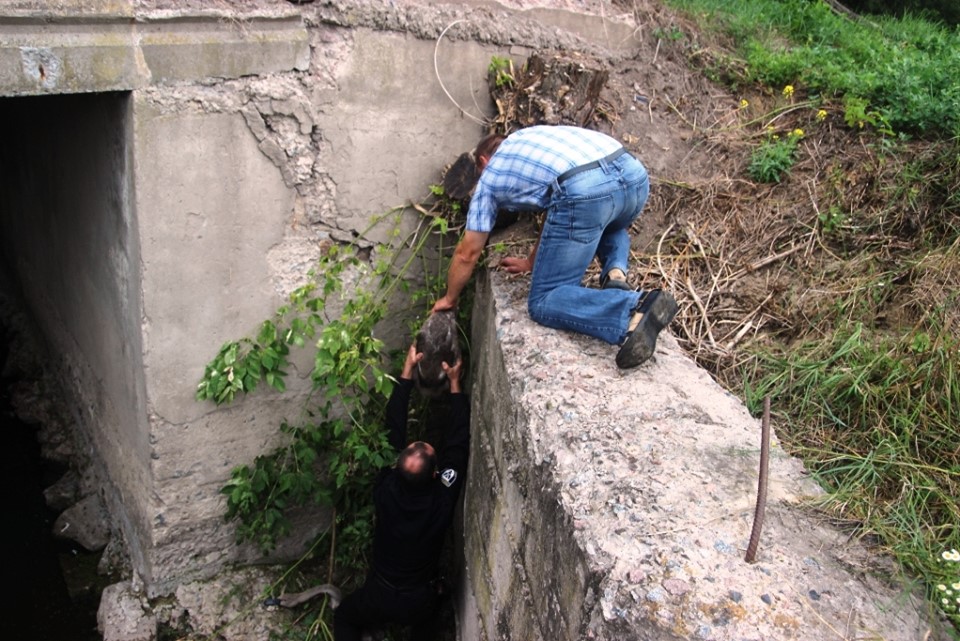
54, 587
68, 267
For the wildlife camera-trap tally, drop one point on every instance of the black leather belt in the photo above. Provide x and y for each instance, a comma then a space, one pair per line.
590, 165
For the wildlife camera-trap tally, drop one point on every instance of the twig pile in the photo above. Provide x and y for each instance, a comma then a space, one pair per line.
752, 263
552, 89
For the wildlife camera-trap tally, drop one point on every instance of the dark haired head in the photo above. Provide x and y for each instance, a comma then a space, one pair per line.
417, 464
485, 148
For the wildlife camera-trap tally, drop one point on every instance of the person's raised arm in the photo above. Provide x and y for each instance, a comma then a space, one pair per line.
464, 261
399, 403
453, 375
456, 448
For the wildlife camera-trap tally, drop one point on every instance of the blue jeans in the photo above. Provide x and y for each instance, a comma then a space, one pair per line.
589, 215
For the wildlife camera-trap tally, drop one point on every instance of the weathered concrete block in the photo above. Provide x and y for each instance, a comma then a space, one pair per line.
71, 52
623, 503
195, 47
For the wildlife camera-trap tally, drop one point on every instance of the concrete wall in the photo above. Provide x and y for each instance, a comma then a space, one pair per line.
311, 157
173, 171
606, 504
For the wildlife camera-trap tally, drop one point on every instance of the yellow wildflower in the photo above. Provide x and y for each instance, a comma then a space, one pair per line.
743, 103
788, 91
821, 115
797, 133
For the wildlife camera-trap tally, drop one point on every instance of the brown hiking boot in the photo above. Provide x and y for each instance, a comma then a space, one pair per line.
655, 311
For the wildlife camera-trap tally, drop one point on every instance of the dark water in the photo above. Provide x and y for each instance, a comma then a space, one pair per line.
39, 603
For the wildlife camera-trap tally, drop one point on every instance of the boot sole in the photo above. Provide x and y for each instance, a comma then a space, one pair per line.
616, 284
639, 346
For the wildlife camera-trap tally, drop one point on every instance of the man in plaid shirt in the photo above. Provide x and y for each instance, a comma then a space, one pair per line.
592, 190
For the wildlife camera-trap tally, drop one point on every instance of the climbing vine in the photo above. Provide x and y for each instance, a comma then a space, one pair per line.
331, 455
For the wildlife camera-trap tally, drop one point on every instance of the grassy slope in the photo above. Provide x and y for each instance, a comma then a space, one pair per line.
857, 346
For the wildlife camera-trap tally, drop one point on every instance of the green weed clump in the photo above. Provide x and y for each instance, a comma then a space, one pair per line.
774, 156
907, 71
876, 420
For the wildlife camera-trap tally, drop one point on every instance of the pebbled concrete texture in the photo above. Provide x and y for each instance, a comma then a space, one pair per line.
610, 504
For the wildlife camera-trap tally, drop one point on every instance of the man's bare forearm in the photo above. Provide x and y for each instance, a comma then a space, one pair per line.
462, 264
461, 269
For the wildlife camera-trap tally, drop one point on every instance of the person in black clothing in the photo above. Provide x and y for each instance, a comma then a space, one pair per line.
415, 501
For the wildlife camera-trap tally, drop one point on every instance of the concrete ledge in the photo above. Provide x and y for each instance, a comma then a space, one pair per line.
45, 55
215, 47
610, 505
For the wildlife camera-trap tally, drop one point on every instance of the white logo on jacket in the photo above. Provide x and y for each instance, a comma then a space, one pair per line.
448, 477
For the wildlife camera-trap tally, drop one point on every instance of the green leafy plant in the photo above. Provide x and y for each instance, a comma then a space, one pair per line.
331, 455
857, 115
501, 70
674, 33
440, 194
831, 219
905, 67
774, 156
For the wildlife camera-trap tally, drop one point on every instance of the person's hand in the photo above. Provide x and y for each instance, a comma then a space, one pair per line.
412, 359
516, 265
444, 304
453, 374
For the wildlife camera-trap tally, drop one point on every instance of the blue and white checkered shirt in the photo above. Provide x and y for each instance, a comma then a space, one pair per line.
521, 171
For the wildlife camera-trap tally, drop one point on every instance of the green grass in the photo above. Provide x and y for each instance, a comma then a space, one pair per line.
907, 70
868, 392
876, 420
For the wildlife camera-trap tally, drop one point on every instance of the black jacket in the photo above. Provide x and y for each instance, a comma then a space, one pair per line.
411, 523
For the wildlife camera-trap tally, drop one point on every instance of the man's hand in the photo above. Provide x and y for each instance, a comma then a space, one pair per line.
412, 359
516, 265
453, 375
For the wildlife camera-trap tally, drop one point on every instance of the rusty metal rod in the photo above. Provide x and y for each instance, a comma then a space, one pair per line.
761, 484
